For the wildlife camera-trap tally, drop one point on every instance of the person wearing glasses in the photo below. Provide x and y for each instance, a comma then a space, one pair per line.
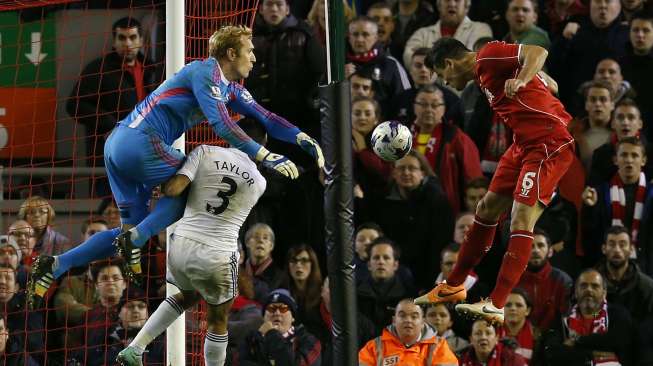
452, 155
281, 340
40, 215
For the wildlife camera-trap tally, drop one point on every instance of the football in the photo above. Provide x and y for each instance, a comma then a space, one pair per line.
391, 140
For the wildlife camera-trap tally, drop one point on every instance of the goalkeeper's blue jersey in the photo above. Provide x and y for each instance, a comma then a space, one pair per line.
200, 92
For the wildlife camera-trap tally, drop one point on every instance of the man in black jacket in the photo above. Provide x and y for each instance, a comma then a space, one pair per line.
110, 87
593, 331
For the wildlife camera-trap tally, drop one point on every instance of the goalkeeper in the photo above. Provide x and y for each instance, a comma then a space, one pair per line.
138, 154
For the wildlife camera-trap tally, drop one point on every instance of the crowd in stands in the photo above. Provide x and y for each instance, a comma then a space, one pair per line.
586, 296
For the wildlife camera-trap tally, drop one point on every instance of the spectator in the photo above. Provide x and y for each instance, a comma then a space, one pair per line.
594, 331
365, 329
593, 131
475, 189
289, 58
448, 259
12, 348
303, 279
110, 212
27, 328
439, 317
559, 13
383, 288
608, 203
23, 234
316, 19
450, 152
409, 340
244, 315
453, 23
372, 173
517, 326
630, 7
411, 16
281, 341
10, 254
486, 349
583, 44
522, 16
109, 88
416, 212
609, 71
463, 222
548, 287
627, 285
403, 105
361, 84
366, 52
637, 63
381, 13
39, 214
626, 122
259, 240
365, 234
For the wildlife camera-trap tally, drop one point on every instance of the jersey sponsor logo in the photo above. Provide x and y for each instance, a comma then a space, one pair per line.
217, 94
527, 183
390, 361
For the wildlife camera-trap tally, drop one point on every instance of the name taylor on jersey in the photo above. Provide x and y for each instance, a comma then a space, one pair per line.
234, 168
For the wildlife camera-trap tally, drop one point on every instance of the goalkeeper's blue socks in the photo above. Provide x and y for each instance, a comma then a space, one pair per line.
167, 211
98, 246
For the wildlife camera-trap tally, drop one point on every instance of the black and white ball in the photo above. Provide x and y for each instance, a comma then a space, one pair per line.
391, 140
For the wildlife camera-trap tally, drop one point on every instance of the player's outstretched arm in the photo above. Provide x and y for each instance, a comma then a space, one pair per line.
277, 126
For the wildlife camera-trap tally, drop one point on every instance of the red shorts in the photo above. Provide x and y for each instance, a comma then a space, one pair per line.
532, 173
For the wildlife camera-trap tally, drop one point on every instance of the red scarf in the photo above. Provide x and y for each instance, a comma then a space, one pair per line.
469, 358
618, 201
364, 57
578, 326
256, 271
524, 339
326, 315
432, 146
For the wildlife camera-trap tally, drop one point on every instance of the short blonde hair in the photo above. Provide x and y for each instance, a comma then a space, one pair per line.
36, 202
227, 37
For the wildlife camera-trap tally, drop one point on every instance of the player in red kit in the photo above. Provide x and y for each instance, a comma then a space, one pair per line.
527, 175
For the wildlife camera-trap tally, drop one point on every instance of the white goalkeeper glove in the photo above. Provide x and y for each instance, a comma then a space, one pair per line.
308, 144
277, 162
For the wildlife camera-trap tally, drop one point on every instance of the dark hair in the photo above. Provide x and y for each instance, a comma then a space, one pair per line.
379, 5
442, 49
616, 230
478, 182
106, 202
253, 129
631, 140
600, 84
310, 297
422, 51
126, 23
99, 266
521, 292
604, 282
430, 89
451, 248
369, 225
626, 102
90, 221
423, 163
396, 252
642, 15
363, 72
539, 231
375, 104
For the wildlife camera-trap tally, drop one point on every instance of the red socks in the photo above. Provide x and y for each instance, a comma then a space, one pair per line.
513, 266
478, 241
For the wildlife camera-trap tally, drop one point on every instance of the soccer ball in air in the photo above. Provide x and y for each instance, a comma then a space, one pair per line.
391, 140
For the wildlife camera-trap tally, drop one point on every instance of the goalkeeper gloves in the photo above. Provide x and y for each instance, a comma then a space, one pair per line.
308, 144
277, 162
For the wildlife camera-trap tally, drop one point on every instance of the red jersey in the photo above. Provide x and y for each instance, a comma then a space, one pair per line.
533, 114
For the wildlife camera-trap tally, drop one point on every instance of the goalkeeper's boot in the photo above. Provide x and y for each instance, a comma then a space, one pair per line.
443, 292
131, 254
129, 357
40, 280
483, 309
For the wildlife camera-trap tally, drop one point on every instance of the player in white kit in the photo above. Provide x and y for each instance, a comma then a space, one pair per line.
203, 252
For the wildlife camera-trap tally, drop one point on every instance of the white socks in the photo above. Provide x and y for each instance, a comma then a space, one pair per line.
215, 349
165, 314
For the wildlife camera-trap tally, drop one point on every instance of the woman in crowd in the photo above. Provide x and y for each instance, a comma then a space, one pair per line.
439, 317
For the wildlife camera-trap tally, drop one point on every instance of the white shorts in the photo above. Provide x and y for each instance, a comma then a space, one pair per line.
194, 266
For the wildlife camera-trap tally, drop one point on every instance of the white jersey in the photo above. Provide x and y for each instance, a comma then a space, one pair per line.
225, 186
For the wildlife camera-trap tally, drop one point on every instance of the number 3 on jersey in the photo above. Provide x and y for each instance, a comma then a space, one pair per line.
224, 195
